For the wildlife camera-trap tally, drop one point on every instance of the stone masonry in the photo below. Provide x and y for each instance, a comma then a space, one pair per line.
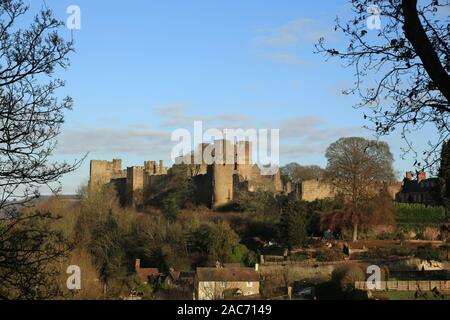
216, 181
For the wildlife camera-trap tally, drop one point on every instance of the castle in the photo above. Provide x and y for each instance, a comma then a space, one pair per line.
216, 181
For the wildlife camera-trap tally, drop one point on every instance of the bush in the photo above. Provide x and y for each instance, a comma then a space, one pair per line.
429, 252
241, 254
345, 277
328, 255
381, 253
170, 207
431, 233
261, 202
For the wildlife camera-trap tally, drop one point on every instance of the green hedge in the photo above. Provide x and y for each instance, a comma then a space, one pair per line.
419, 216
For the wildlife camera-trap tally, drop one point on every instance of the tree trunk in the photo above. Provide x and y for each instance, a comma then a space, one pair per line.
104, 288
415, 33
355, 232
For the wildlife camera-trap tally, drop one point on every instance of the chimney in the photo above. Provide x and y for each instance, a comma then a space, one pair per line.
409, 175
421, 176
138, 264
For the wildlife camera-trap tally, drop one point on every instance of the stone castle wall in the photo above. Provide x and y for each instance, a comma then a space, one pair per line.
315, 189
102, 172
214, 182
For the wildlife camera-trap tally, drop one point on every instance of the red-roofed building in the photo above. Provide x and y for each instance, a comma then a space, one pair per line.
146, 274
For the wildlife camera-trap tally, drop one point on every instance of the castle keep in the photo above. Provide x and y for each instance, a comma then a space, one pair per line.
217, 181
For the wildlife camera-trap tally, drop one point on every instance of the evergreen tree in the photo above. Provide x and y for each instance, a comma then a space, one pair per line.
444, 175
107, 250
293, 224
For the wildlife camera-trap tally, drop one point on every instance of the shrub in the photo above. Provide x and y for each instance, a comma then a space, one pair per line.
416, 217
345, 277
328, 255
241, 254
380, 253
170, 207
431, 233
429, 252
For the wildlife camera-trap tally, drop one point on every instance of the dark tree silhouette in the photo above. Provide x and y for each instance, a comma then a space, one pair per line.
293, 224
28, 246
444, 175
409, 60
30, 120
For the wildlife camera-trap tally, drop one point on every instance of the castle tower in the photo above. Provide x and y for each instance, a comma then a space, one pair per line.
135, 185
222, 184
243, 151
102, 172
224, 152
243, 156
223, 169
117, 165
150, 167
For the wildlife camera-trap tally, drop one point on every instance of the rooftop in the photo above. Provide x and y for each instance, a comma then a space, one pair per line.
227, 274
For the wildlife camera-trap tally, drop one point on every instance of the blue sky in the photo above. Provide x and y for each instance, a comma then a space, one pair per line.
143, 68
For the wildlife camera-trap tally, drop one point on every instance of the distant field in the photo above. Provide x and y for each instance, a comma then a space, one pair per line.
418, 216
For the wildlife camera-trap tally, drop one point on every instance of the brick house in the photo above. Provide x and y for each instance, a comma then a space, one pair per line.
420, 190
146, 274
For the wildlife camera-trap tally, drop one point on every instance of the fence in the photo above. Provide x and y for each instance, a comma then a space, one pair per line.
407, 285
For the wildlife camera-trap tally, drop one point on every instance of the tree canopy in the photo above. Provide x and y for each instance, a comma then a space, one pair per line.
358, 169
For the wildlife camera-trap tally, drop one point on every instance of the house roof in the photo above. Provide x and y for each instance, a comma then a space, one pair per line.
144, 273
231, 265
227, 274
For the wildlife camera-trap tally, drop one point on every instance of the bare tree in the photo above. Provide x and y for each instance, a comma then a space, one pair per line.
409, 60
359, 170
298, 173
30, 120
29, 250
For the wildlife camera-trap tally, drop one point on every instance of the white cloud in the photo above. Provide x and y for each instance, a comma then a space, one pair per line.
300, 136
285, 57
293, 32
112, 141
289, 39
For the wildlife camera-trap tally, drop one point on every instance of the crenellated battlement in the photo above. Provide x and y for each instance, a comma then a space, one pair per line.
216, 167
